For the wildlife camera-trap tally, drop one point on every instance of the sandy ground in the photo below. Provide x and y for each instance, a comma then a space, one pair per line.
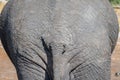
2, 3
7, 71
115, 66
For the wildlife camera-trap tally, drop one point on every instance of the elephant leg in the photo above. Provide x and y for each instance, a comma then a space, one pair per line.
30, 71
30, 68
31, 63
90, 64
92, 71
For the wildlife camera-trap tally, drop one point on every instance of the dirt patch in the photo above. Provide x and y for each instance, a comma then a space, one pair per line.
115, 66
117, 10
2, 3
7, 70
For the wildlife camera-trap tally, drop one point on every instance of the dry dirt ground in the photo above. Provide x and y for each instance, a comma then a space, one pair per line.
115, 65
7, 70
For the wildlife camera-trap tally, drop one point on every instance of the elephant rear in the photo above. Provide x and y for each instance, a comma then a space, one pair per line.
60, 39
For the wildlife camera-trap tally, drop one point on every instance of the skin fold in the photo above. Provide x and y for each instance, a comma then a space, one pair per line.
59, 39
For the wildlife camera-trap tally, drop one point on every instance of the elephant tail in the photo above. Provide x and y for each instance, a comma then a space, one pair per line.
61, 71
57, 60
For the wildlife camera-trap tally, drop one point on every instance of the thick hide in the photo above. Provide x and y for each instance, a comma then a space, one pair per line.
59, 39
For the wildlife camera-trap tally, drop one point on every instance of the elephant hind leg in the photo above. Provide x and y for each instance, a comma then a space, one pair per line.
30, 70
92, 71
31, 63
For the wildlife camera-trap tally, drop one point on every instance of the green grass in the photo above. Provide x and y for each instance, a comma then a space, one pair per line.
115, 2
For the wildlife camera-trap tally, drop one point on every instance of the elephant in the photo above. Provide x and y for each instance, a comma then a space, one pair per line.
59, 39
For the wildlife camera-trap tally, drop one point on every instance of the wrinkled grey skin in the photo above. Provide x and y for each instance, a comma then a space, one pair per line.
60, 39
